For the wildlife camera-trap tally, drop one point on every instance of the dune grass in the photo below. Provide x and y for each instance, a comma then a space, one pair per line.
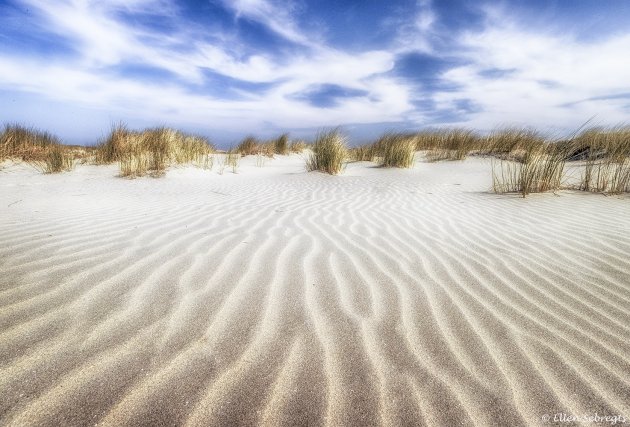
152, 151
512, 143
362, 153
229, 159
56, 159
605, 153
297, 146
25, 143
281, 144
448, 144
395, 150
540, 168
524, 160
329, 153
41, 150
250, 145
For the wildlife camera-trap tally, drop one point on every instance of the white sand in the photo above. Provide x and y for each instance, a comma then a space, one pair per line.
276, 296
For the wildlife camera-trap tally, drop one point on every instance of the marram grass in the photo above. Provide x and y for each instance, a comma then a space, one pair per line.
329, 153
152, 151
396, 150
528, 162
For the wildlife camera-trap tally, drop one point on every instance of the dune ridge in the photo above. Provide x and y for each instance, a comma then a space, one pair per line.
276, 297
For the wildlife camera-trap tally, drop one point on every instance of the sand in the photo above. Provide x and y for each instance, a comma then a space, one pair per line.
279, 297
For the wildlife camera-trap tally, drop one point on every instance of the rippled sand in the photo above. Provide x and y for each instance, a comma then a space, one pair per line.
275, 296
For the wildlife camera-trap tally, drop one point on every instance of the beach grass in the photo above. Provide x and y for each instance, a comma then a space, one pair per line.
605, 153
512, 143
230, 160
395, 150
448, 144
25, 143
523, 159
362, 153
40, 149
56, 159
250, 145
297, 146
329, 153
538, 169
281, 144
152, 151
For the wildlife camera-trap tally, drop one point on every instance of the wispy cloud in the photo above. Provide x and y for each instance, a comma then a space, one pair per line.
277, 17
518, 73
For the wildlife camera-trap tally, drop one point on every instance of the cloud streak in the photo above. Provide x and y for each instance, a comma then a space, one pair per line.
549, 79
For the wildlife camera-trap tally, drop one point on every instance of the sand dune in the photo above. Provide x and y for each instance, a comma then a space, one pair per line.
279, 297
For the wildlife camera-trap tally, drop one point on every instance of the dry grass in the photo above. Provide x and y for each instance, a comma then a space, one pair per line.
24, 143
540, 169
396, 150
230, 159
250, 145
329, 153
281, 144
57, 158
41, 150
606, 159
298, 146
512, 143
362, 153
448, 144
152, 151
527, 162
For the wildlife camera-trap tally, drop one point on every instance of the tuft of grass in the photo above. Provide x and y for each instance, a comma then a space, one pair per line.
230, 159
133, 164
429, 139
605, 154
195, 150
281, 144
298, 146
42, 150
448, 144
267, 149
116, 144
512, 143
250, 145
24, 143
362, 153
152, 151
329, 153
58, 160
541, 169
396, 150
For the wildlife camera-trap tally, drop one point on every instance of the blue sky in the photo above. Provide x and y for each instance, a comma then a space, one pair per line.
229, 68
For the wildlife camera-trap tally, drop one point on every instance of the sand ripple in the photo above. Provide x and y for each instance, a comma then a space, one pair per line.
375, 298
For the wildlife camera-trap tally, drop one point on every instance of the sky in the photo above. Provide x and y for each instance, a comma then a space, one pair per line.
229, 68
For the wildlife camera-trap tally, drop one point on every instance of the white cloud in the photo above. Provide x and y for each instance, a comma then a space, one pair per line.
277, 18
414, 34
549, 79
104, 42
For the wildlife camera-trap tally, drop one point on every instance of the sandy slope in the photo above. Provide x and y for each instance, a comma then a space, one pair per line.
275, 296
